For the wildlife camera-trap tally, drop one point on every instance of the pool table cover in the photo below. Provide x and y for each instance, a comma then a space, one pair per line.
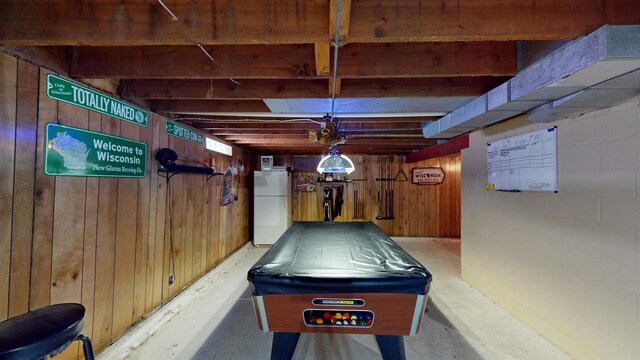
337, 257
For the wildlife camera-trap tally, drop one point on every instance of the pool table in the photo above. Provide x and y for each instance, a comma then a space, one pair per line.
338, 277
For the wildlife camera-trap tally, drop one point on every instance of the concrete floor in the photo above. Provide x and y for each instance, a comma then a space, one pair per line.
214, 319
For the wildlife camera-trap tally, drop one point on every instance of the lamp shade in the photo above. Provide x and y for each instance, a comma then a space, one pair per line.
335, 163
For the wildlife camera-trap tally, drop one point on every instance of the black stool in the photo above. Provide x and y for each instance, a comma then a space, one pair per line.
43, 332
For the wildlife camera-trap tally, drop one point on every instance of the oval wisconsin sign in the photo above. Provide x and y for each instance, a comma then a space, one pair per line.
427, 176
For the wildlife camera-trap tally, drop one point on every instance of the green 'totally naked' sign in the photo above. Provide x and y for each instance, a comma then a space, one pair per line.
182, 132
71, 151
75, 94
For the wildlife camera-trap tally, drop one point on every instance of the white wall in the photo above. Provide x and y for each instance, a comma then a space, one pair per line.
567, 264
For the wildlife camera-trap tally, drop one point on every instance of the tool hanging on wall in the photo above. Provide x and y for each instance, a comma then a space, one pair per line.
337, 204
386, 188
385, 191
358, 201
327, 204
401, 176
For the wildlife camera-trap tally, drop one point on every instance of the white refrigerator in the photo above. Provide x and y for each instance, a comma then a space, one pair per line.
271, 205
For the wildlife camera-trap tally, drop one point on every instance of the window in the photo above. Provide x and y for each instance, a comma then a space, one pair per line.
219, 147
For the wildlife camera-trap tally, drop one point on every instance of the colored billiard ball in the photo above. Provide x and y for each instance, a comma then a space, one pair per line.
332, 319
338, 316
338, 322
362, 323
319, 321
353, 317
345, 316
353, 322
368, 322
312, 319
326, 316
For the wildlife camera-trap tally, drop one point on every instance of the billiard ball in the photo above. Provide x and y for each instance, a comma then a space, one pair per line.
338, 316
345, 316
353, 322
319, 321
326, 316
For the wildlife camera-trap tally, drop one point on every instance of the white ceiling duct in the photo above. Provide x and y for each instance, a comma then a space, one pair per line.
595, 71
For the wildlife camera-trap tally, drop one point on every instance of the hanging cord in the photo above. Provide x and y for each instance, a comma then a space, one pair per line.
173, 16
274, 121
205, 52
170, 210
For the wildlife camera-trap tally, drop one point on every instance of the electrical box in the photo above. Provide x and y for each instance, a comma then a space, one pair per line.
266, 163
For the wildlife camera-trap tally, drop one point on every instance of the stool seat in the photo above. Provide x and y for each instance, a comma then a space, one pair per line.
42, 332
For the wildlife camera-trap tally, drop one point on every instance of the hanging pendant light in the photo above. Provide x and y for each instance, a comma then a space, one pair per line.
335, 163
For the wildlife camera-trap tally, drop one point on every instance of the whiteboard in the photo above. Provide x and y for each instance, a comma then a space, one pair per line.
527, 162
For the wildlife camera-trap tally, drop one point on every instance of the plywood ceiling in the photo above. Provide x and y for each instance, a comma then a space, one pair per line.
212, 64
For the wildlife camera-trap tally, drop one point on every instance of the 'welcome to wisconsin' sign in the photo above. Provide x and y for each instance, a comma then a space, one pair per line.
71, 151
75, 94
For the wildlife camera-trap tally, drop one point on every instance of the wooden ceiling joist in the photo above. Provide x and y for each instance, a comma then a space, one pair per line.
344, 149
401, 60
323, 59
294, 88
399, 142
409, 138
261, 132
428, 59
351, 150
181, 106
118, 23
345, 18
348, 127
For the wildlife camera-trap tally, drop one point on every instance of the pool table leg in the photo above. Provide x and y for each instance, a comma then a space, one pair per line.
284, 345
391, 347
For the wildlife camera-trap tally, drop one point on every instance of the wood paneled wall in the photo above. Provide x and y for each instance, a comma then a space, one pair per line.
102, 242
419, 210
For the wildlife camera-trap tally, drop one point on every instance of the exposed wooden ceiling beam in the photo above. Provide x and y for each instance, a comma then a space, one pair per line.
338, 86
356, 150
345, 17
243, 123
261, 132
352, 150
399, 142
294, 61
428, 59
116, 23
171, 106
293, 88
343, 149
257, 138
323, 59
270, 120
484, 20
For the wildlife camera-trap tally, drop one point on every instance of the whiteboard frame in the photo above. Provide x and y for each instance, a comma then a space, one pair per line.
492, 186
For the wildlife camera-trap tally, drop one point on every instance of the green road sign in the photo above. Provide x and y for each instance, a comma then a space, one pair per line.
71, 151
182, 132
75, 94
